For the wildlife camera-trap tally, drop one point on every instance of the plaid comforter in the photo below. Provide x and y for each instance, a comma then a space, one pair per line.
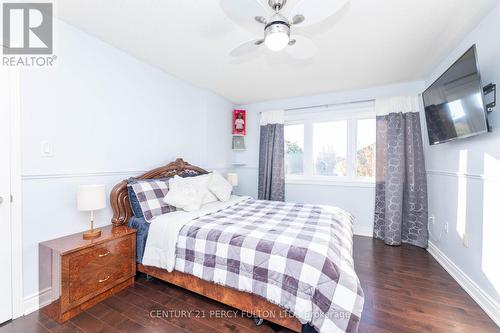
295, 255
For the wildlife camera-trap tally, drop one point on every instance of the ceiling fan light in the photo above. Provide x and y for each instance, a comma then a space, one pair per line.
277, 41
277, 36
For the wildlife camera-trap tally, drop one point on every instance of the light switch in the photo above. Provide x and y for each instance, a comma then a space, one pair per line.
46, 149
465, 240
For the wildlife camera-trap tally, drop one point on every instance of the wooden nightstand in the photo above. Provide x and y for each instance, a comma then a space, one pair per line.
79, 273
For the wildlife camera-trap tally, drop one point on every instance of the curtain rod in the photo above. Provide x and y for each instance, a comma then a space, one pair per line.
333, 104
328, 105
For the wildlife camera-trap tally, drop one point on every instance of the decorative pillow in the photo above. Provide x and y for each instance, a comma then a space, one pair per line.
150, 194
202, 182
189, 173
220, 187
184, 194
134, 202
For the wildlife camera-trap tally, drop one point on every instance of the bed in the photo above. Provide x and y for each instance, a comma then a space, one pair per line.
287, 263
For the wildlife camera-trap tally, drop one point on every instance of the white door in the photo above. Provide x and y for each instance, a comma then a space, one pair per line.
5, 208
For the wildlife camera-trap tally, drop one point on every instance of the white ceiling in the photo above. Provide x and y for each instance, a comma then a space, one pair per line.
368, 43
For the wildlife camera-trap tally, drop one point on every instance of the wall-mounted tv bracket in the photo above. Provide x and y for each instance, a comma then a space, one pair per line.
491, 89
488, 90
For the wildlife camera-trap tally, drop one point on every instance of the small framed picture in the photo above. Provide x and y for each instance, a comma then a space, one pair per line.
238, 142
239, 122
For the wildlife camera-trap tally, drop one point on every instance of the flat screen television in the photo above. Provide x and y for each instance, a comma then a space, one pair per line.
454, 103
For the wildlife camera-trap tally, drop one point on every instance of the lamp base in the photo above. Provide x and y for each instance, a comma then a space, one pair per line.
92, 234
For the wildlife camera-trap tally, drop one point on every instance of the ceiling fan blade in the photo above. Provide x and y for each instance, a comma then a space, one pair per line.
244, 12
316, 11
261, 19
301, 47
246, 48
298, 19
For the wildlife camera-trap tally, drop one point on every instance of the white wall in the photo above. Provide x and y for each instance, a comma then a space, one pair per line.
108, 116
464, 178
357, 200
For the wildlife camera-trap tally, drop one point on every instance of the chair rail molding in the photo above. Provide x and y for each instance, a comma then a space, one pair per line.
82, 174
475, 176
112, 173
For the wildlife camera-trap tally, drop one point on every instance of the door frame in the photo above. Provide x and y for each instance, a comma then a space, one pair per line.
13, 81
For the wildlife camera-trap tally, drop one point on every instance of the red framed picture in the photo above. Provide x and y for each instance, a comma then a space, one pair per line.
239, 122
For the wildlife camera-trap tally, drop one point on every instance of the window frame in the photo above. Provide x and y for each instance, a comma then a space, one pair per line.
307, 117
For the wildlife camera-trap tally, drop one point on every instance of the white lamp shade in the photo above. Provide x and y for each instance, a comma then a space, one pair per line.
91, 197
232, 178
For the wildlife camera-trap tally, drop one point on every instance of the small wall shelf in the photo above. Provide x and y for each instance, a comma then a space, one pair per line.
238, 143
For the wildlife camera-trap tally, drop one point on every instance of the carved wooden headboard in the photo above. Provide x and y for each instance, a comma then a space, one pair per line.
119, 195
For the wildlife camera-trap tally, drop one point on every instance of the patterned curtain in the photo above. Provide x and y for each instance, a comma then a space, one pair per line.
401, 186
272, 156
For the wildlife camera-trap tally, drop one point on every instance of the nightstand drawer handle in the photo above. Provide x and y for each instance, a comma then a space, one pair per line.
104, 280
104, 254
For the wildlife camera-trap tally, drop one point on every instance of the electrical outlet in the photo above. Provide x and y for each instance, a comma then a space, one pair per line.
465, 240
432, 220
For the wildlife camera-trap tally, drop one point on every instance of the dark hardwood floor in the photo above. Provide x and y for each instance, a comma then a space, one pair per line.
406, 291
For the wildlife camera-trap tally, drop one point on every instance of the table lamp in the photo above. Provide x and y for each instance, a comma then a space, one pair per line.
232, 178
91, 198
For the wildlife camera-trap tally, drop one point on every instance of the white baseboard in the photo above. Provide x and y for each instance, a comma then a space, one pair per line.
37, 301
488, 304
363, 231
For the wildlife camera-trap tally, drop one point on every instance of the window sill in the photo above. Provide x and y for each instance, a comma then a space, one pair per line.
331, 181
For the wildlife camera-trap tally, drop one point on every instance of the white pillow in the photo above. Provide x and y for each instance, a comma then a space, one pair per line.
200, 182
220, 187
184, 195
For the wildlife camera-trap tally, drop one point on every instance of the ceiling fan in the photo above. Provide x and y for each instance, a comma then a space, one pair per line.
279, 21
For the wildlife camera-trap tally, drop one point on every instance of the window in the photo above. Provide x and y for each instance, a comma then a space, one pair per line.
336, 144
294, 149
365, 148
330, 148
